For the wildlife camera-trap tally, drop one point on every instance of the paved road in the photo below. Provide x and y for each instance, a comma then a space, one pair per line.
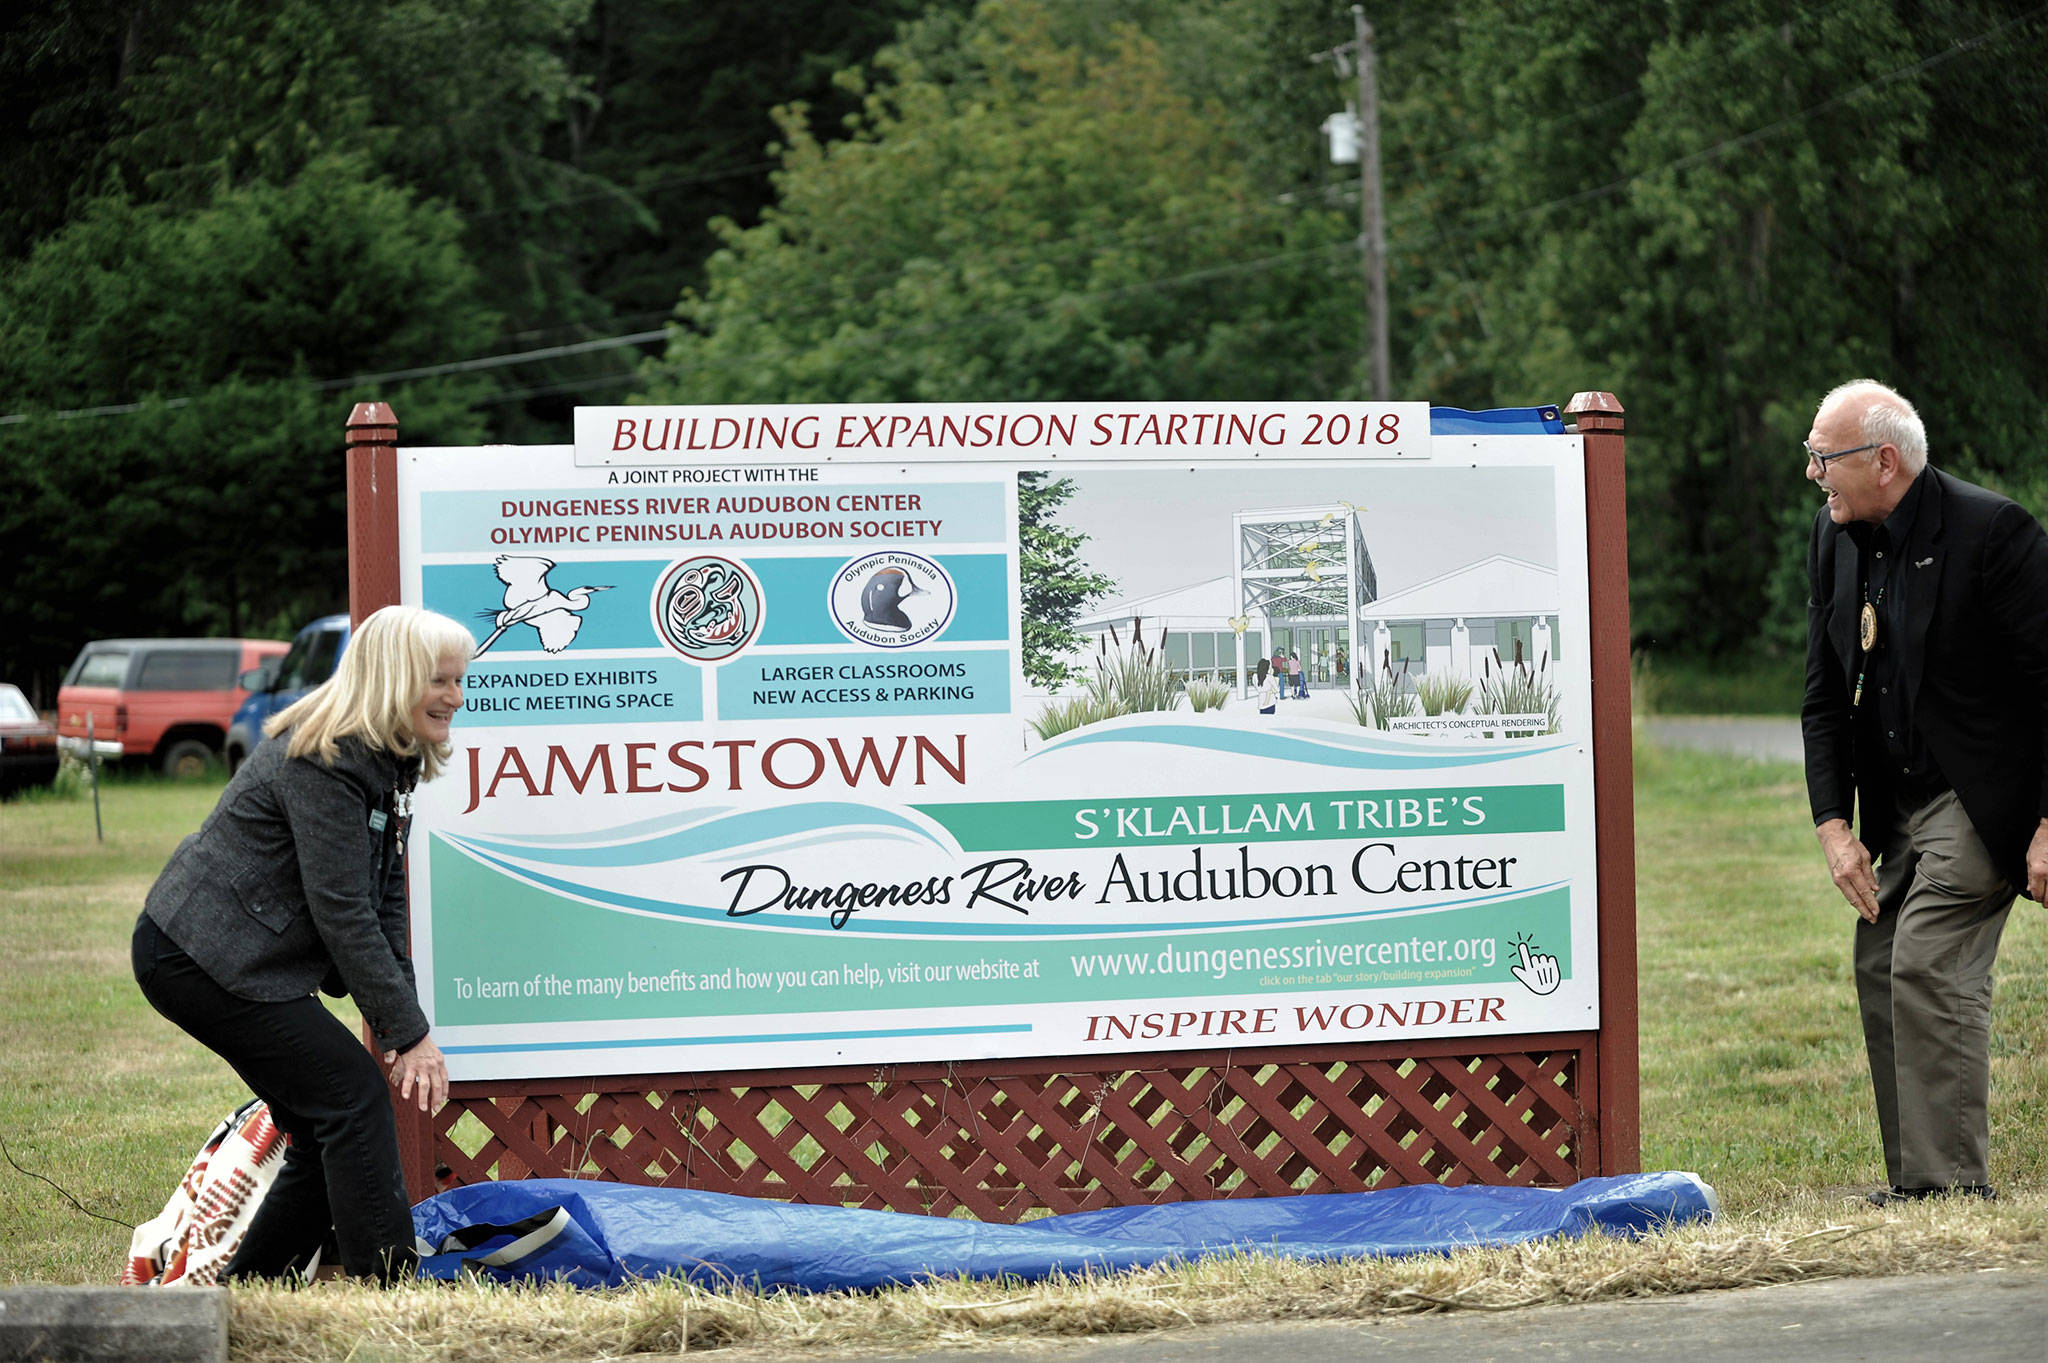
1770, 738
1989, 1317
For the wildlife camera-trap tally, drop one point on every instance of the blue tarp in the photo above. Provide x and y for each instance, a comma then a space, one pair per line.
607, 1234
1496, 421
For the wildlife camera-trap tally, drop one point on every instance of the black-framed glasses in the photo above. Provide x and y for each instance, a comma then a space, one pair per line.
1814, 456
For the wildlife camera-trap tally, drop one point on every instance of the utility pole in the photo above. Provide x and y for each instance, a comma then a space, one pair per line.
1372, 237
1372, 231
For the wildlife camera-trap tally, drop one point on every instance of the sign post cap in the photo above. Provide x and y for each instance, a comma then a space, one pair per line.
1595, 411
369, 420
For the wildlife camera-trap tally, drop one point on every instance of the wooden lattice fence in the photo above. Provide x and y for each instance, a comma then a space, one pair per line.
1002, 1140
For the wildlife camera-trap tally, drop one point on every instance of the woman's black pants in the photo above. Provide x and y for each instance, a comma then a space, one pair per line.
325, 1091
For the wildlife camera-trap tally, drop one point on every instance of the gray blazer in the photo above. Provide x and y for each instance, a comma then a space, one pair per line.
295, 879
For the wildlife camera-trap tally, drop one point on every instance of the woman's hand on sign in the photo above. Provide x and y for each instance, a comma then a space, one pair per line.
421, 1074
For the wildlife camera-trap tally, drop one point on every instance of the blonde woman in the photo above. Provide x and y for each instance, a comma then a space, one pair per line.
296, 882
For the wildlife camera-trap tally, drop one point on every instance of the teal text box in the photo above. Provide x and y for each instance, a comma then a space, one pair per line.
508, 952
1260, 817
859, 685
796, 593
582, 690
680, 521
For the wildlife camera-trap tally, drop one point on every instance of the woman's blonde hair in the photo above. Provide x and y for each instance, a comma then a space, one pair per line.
384, 671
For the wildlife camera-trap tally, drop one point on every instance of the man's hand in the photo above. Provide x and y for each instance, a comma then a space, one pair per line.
1849, 864
420, 1069
2037, 865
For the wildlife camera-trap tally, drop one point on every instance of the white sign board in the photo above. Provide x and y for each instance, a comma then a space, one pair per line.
753, 770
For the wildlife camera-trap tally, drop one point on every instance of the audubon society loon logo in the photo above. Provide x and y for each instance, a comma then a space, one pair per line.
891, 599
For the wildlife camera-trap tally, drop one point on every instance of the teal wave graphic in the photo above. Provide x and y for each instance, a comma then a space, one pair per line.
1314, 747
819, 839
865, 925
621, 833
723, 833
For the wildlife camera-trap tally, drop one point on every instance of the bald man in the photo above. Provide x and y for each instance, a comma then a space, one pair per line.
1926, 690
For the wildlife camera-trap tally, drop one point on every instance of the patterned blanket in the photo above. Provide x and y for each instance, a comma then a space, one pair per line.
204, 1222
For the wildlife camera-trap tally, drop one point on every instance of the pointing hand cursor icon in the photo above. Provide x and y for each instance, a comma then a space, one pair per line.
1537, 971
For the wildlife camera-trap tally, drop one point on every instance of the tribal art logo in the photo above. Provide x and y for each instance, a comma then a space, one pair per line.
707, 608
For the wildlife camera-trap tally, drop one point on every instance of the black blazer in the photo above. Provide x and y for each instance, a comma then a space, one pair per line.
295, 878
1975, 655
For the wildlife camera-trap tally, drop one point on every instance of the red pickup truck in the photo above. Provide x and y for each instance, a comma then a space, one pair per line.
167, 701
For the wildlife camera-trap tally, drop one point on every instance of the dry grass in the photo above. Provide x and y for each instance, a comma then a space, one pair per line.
1811, 1240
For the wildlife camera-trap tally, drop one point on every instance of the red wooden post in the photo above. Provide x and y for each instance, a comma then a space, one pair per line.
372, 445
372, 509
1599, 419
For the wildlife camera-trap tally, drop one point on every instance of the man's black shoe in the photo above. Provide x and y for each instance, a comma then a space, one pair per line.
1886, 1197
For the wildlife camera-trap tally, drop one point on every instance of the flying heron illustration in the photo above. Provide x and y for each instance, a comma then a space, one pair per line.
529, 600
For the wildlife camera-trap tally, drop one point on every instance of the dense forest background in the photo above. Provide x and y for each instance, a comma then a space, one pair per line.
226, 221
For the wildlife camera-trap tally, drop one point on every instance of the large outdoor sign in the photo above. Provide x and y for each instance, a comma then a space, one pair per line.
759, 765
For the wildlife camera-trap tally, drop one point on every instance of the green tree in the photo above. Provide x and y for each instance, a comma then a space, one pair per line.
1762, 270
65, 66
1015, 217
677, 116
451, 98
204, 221
1965, 312
217, 507
1056, 582
1717, 211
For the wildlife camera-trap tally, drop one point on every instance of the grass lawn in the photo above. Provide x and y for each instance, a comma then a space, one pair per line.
1752, 1055
1752, 1076
97, 1092
1686, 686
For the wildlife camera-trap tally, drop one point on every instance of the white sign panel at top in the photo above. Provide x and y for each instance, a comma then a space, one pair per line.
1004, 432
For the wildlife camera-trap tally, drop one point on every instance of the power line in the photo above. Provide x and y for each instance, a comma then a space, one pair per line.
1017, 256
1332, 249
1000, 257
425, 371
631, 319
1012, 255
551, 352
1268, 262
1209, 272
625, 191
872, 338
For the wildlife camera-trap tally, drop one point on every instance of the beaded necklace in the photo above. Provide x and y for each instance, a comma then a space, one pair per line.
1866, 638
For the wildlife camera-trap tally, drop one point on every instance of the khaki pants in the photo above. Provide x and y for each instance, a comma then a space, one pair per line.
1923, 978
